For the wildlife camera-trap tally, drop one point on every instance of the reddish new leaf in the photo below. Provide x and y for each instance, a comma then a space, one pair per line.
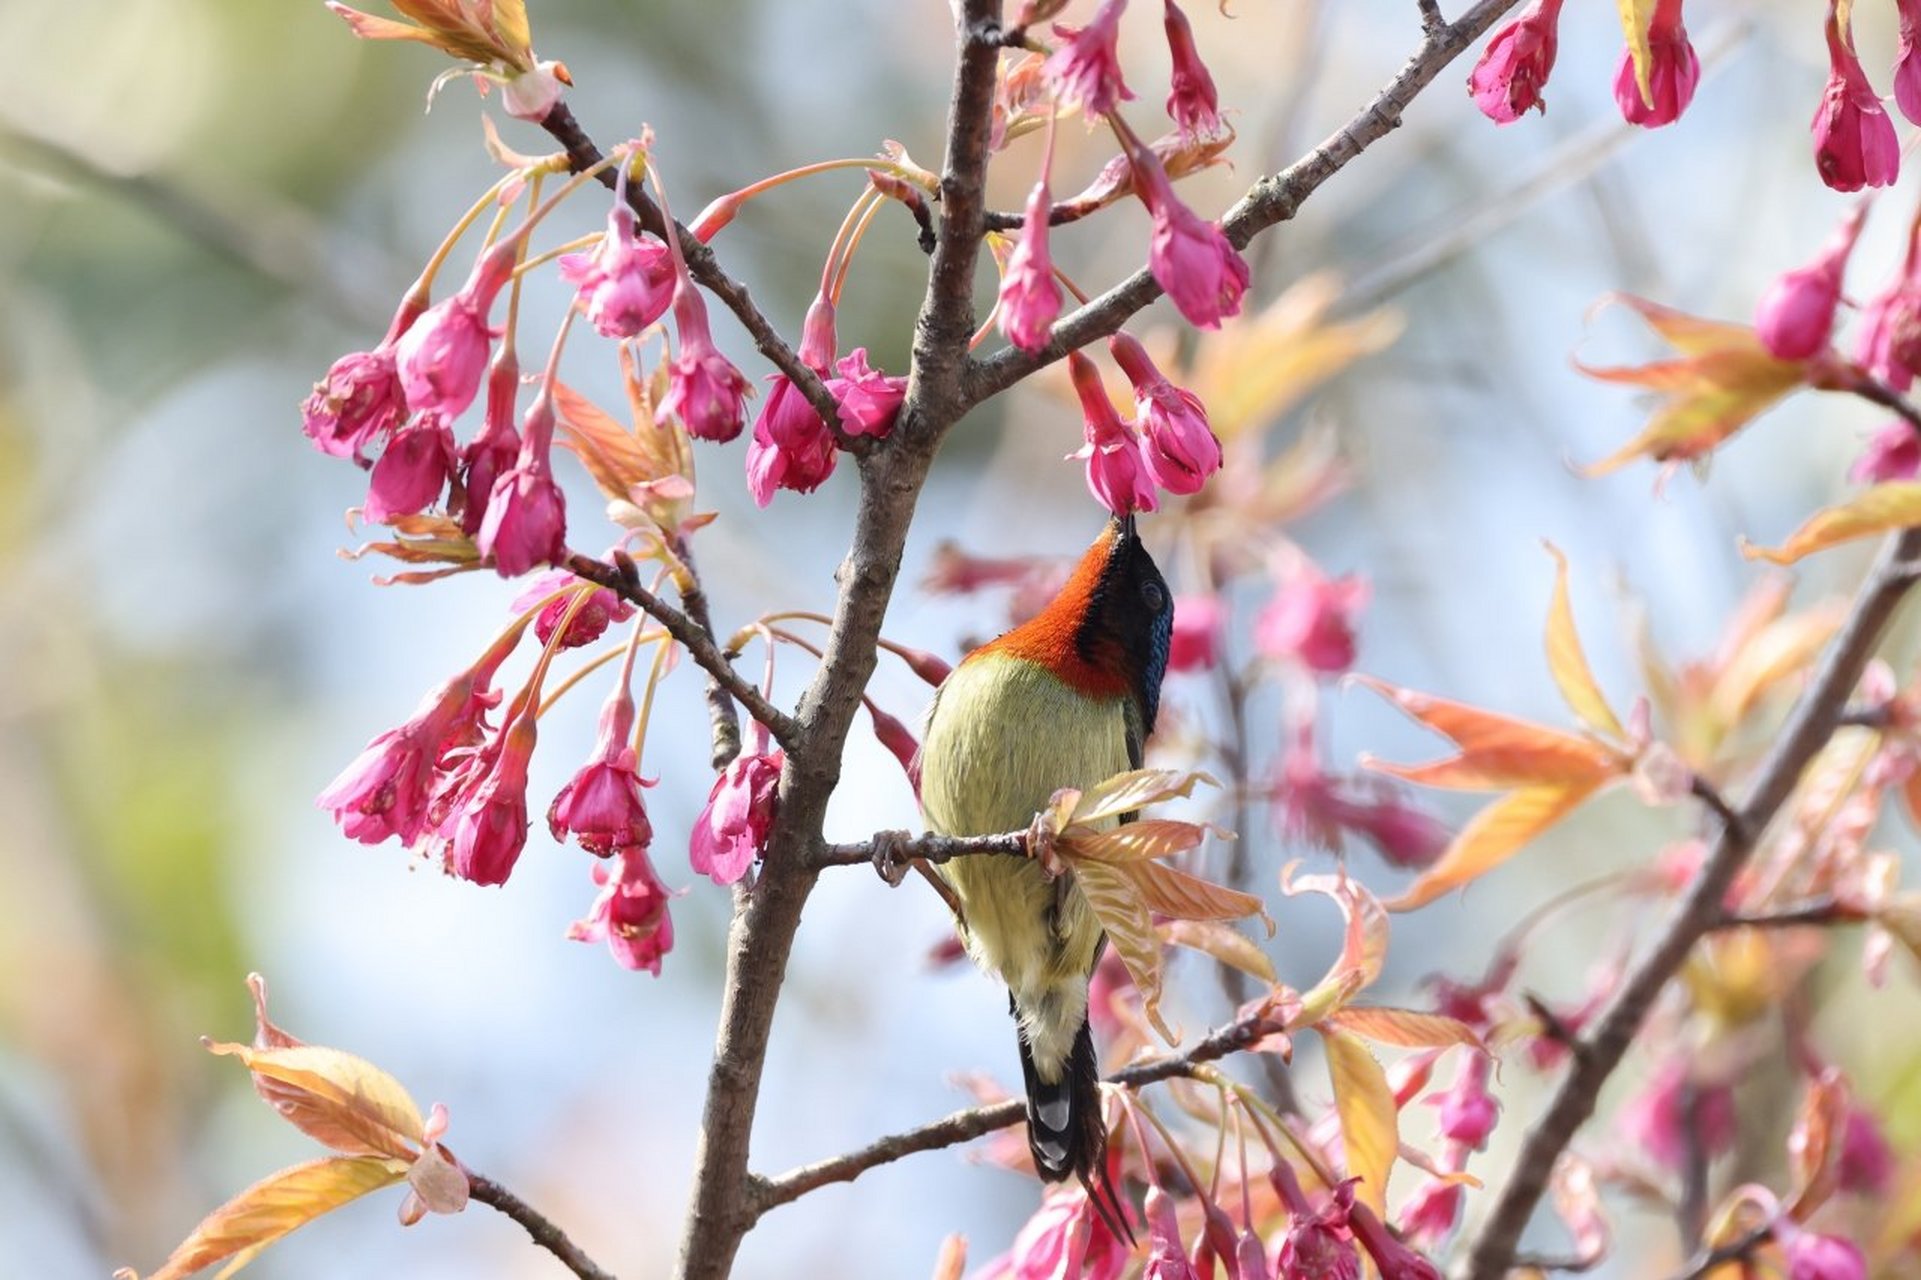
1497, 752
1115, 898
1405, 1028
1229, 946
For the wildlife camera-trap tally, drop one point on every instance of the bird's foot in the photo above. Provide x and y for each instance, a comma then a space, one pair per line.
891, 859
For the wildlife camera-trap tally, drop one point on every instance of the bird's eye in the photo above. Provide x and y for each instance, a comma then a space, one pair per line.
1153, 597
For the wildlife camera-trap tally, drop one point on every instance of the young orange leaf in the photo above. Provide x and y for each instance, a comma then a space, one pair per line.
238, 1230
1186, 897
1227, 945
335, 1098
953, 1258
1131, 842
1497, 752
1405, 1028
1569, 664
1814, 1144
1491, 837
1363, 944
1895, 505
1370, 1130
1134, 790
1115, 899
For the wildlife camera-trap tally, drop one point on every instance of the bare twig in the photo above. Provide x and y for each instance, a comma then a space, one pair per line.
1807, 730
1270, 201
1717, 804
928, 848
1818, 912
695, 638
965, 1126
720, 702
545, 1234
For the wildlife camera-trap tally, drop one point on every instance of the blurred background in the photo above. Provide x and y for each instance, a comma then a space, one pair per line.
203, 202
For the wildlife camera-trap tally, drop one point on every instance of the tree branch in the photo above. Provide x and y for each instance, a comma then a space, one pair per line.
1820, 911
720, 701
701, 264
698, 642
1270, 201
965, 1126
545, 1234
1813, 721
903, 848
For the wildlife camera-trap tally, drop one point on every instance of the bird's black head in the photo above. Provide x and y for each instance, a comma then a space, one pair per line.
1128, 619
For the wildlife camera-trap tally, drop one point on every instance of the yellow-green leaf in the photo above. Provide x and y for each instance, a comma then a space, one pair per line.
1370, 1129
1135, 790
1363, 943
1115, 899
238, 1230
1636, 17
1227, 945
1131, 842
1568, 663
1496, 752
1405, 1028
1491, 837
336, 1098
1896, 505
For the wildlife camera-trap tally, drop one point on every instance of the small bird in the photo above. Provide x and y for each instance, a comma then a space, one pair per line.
1066, 699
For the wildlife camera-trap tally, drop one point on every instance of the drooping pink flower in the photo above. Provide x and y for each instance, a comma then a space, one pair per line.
1673, 71
803, 466
1199, 621
1116, 473
358, 401
705, 392
1192, 102
1854, 141
495, 447
869, 399
1064, 1239
627, 282
1867, 1161
1468, 1110
490, 825
1166, 1255
1086, 70
1907, 65
1893, 453
1250, 1258
1177, 444
1812, 1256
443, 355
1429, 1215
526, 520
1796, 314
1030, 297
730, 831
413, 470
1320, 1244
1310, 620
1656, 1120
601, 806
1109, 985
386, 790
591, 620
1507, 82
630, 914
1191, 259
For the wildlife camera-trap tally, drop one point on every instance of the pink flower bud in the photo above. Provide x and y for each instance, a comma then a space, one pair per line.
1317, 1249
1198, 624
730, 831
1854, 141
496, 446
1192, 102
1907, 66
1310, 620
1116, 474
601, 805
630, 914
869, 399
1030, 297
626, 283
1192, 260
490, 828
1656, 1120
705, 392
1086, 69
1673, 72
1817, 1257
1507, 82
416, 466
1867, 1162
1065, 1237
1177, 444
1250, 1258
1403, 835
1795, 316
591, 619
1166, 1256
1468, 1110
531, 95
791, 447
443, 355
526, 521
1429, 1215
1893, 453
358, 401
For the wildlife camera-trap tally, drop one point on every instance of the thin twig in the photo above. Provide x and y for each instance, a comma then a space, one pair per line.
720, 703
544, 1232
1734, 1251
965, 1126
694, 638
928, 848
1818, 912
1717, 804
1807, 731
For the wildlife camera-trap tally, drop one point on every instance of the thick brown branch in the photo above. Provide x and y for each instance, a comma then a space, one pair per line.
695, 638
1808, 729
1272, 200
701, 264
544, 1232
965, 1126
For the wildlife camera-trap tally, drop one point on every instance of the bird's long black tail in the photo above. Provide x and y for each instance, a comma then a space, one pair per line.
1066, 1130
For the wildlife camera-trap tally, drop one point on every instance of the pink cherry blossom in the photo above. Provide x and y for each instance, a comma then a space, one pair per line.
413, 470
526, 520
1507, 82
804, 462
490, 823
1867, 1162
1116, 474
1430, 1213
1177, 444
1893, 453
1311, 618
1673, 71
601, 805
1907, 66
1086, 70
1199, 621
443, 355
1191, 259
705, 392
1656, 1120
1812, 1256
1854, 141
1468, 1110
1192, 102
630, 914
869, 399
1030, 297
495, 447
627, 282
1796, 314
358, 401
590, 621
730, 831
1064, 1240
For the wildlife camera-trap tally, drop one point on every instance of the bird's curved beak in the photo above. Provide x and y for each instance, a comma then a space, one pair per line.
1127, 525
